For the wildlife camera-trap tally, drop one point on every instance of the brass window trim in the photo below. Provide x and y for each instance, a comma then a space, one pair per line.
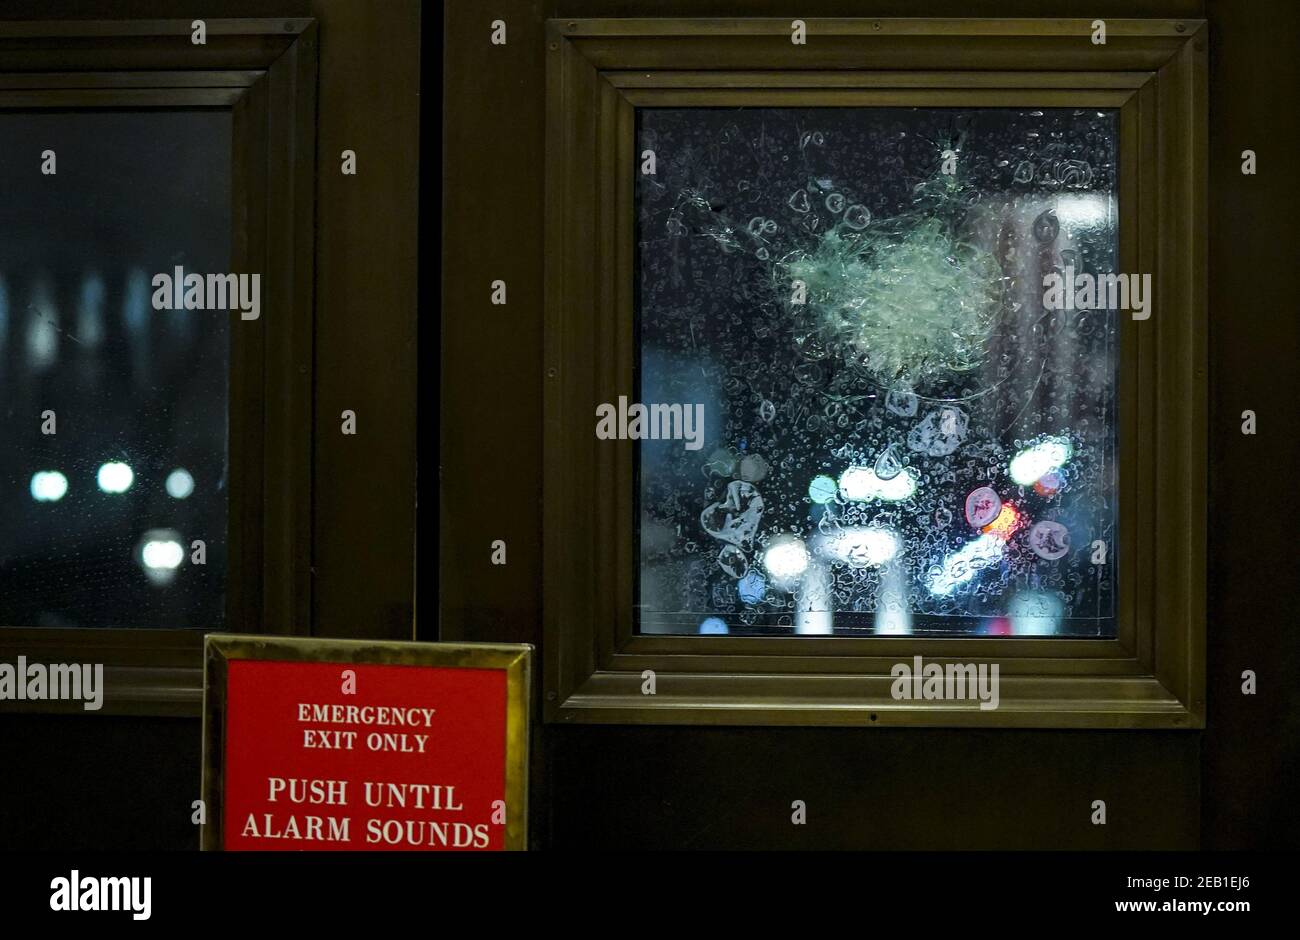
264, 72
1153, 674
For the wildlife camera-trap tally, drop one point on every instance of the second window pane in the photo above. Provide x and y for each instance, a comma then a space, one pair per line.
871, 419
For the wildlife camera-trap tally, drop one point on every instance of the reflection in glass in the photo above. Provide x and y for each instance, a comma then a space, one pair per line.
900, 435
114, 426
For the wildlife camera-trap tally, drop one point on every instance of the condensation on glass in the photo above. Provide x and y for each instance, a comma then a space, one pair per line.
100, 516
902, 433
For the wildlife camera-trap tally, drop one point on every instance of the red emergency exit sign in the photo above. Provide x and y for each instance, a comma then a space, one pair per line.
342, 754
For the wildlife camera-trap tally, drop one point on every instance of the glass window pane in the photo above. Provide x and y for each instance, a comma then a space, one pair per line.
99, 516
901, 434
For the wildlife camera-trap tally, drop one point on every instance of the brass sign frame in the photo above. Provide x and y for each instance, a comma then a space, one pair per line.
515, 659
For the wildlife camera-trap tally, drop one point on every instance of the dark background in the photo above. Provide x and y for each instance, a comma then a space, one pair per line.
137, 194
1230, 786
100, 782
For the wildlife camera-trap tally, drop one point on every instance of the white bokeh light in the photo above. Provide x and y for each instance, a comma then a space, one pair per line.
179, 483
786, 558
1085, 210
115, 477
48, 486
861, 546
965, 563
860, 484
160, 553
1031, 463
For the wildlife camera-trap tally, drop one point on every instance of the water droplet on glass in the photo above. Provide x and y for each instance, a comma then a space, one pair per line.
1075, 174
733, 561
939, 433
857, 216
753, 468
1049, 540
901, 402
1047, 226
890, 463
721, 462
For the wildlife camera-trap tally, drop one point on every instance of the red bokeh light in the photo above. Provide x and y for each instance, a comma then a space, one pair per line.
1005, 524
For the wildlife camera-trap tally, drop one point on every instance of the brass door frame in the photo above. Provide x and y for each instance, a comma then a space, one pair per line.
1153, 674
